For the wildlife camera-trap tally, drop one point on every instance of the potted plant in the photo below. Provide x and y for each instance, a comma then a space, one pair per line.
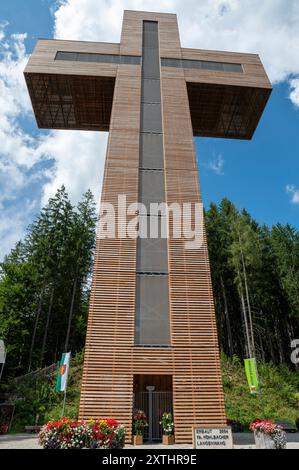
268, 435
167, 428
3, 428
139, 424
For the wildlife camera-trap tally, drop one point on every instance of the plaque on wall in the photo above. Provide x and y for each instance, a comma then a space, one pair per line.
212, 438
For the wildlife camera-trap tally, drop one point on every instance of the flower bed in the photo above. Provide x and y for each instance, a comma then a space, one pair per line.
268, 434
69, 433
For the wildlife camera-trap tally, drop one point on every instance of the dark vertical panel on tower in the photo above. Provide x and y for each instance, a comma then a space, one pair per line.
152, 305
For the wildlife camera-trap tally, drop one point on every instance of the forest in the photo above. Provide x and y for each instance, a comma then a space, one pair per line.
45, 284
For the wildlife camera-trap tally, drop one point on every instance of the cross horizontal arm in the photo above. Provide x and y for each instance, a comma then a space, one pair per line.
71, 94
71, 84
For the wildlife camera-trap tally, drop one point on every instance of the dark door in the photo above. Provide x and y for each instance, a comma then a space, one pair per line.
154, 404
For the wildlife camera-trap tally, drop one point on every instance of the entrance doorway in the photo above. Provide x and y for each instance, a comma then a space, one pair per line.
153, 395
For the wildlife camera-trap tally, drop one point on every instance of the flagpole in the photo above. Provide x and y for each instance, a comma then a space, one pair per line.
64, 398
63, 404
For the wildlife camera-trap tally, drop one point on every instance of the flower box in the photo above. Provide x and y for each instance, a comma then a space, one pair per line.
263, 441
137, 440
268, 435
168, 439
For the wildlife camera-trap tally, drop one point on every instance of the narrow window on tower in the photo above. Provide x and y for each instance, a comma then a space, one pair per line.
152, 291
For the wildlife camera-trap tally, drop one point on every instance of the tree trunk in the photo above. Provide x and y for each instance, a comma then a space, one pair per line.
261, 347
227, 320
278, 342
269, 336
247, 299
247, 338
39, 309
66, 345
46, 328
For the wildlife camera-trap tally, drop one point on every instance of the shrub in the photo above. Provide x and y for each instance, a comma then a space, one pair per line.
235, 425
69, 433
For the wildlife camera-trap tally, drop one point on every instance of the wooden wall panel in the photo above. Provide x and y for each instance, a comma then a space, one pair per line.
253, 71
197, 388
43, 60
111, 359
83, 91
131, 35
107, 383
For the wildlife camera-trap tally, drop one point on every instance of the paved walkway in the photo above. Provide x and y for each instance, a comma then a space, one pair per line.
241, 441
19, 441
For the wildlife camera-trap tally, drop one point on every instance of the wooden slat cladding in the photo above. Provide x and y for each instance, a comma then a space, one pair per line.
111, 356
218, 114
107, 383
42, 60
131, 35
197, 388
194, 102
253, 70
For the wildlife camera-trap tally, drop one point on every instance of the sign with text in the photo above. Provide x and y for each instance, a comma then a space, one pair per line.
212, 438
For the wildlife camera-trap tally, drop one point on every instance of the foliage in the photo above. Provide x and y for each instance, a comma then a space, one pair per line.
44, 286
167, 423
37, 401
255, 274
276, 400
69, 433
139, 422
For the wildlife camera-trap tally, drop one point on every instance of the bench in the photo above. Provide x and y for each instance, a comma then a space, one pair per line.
32, 429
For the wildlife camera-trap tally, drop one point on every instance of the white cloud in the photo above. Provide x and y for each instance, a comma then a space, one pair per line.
294, 192
294, 94
76, 158
78, 162
13, 223
268, 27
216, 165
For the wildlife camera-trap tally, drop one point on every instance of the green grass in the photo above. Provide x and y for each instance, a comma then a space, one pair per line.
277, 400
39, 398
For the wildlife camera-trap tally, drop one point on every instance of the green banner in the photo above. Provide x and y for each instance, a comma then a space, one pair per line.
252, 375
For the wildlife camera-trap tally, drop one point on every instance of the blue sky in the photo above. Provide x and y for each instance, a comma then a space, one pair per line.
261, 175
256, 173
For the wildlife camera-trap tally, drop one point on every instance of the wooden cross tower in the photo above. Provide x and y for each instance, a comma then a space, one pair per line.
151, 339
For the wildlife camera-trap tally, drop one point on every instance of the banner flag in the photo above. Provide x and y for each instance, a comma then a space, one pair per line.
63, 372
251, 374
